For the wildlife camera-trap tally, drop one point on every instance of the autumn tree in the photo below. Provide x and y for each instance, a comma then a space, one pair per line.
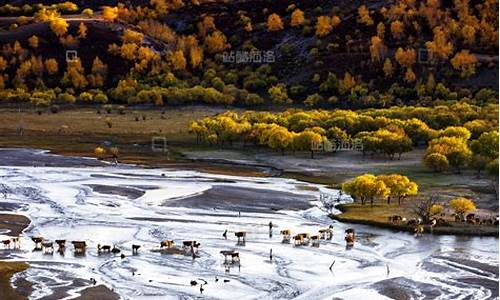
439, 48
33, 41
274, 23
388, 68
75, 75
280, 138
59, 26
406, 58
98, 73
366, 187
400, 187
177, 60
455, 150
410, 75
364, 16
377, 49
297, 18
323, 26
279, 95
82, 30
465, 63
486, 145
206, 25
397, 29
51, 66
109, 13
461, 206
216, 42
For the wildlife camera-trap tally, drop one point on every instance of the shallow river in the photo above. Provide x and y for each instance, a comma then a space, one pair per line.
125, 205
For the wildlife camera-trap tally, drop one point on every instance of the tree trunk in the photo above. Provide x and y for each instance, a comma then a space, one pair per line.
312, 154
389, 200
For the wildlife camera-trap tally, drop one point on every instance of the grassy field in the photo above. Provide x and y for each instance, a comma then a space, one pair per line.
77, 131
379, 213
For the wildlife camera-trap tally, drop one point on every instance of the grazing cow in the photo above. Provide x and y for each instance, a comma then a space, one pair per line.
38, 242
103, 248
167, 243
115, 250
6, 243
79, 246
235, 255
302, 239
350, 237
413, 222
395, 219
458, 218
193, 245
315, 241
419, 230
135, 248
16, 242
241, 235
326, 233
61, 244
286, 233
48, 247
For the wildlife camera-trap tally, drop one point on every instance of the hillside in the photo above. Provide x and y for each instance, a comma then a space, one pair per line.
249, 53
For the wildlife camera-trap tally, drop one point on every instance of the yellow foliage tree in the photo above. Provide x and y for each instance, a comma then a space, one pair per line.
439, 47
109, 13
464, 62
82, 31
462, 205
323, 26
377, 48
406, 58
297, 18
59, 26
51, 66
177, 60
397, 29
388, 68
216, 42
33, 41
274, 23
335, 21
410, 75
364, 16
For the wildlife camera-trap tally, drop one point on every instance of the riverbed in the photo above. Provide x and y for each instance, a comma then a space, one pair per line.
121, 205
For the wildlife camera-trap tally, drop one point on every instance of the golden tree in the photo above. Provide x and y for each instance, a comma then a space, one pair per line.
323, 26
439, 47
33, 41
469, 34
59, 26
216, 42
464, 62
297, 18
335, 21
207, 25
388, 68
177, 60
381, 30
397, 29
462, 205
109, 13
406, 58
196, 56
410, 75
364, 16
82, 31
274, 23
377, 49
51, 66
75, 75
98, 73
